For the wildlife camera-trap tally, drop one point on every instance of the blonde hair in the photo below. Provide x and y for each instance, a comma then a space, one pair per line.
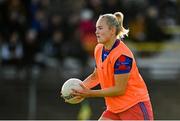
116, 20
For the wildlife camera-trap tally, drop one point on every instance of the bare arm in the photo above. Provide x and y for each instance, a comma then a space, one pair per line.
116, 90
92, 80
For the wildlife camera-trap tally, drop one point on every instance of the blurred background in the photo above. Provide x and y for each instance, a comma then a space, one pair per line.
45, 42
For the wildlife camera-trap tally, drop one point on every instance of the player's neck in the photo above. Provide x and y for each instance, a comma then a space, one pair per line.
108, 45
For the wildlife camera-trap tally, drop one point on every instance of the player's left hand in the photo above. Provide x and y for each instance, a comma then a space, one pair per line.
85, 92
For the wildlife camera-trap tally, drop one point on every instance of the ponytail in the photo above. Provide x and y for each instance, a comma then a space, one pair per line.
122, 31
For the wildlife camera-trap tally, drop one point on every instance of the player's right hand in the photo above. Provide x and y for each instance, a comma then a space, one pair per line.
73, 99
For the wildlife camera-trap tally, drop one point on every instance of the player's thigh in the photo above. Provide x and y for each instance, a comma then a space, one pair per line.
108, 115
104, 118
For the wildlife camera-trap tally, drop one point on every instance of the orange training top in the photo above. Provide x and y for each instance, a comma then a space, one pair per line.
136, 90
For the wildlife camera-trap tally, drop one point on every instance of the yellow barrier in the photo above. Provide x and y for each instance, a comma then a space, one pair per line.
172, 29
154, 46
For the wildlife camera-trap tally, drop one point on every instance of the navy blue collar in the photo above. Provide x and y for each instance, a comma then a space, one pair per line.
114, 45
